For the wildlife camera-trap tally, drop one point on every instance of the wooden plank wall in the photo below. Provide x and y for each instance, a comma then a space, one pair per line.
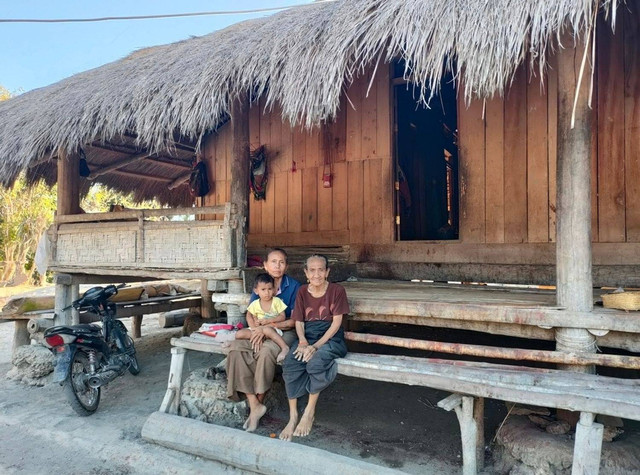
355, 149
507, 161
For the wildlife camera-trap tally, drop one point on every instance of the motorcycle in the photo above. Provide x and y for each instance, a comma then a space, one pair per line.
89, 356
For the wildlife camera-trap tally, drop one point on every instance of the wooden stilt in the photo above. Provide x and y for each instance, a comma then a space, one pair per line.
21, 335
171, 401
467, 418
587, 446
136, 328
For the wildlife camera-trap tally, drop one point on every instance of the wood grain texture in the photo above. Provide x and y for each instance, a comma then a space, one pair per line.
552, 143
537, 163
611, 172
494, 173
515, 164
632, 119
355, 201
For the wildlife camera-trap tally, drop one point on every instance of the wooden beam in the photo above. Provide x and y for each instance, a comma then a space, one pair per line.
544, 356
179, 181
117, 164
141, 176
68, 184
137, 213
240, 174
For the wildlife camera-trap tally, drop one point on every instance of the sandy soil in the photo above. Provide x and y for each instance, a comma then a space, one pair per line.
386, 424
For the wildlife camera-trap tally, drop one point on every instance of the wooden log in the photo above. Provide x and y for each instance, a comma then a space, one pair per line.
240, 174
573, 228
117, 164
174, 318
136, 326
36, 325
588, 445
614, 361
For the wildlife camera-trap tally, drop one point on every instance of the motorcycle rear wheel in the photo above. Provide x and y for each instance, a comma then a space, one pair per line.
134, 367
83, 398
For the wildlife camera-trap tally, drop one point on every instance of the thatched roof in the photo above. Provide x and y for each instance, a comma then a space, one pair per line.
300, 58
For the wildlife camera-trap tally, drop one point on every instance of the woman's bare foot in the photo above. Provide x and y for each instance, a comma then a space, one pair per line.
287, 432
254, 417
304, 427
246, 423
282, 355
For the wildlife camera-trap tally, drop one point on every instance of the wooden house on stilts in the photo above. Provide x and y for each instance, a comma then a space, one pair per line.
488, 142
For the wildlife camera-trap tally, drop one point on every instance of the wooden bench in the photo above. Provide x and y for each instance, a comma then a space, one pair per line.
470, 383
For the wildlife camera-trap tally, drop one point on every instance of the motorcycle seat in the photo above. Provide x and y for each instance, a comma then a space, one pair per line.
83, 328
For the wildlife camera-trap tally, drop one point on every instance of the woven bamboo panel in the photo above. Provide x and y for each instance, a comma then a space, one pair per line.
194, 246
174, 245
107, 247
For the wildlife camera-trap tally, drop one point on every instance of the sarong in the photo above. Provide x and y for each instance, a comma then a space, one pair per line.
312, 377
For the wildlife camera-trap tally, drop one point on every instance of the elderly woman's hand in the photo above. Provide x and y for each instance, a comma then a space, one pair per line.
257, 338
304, 353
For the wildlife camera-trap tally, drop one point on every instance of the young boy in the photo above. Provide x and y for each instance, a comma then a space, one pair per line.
265, 312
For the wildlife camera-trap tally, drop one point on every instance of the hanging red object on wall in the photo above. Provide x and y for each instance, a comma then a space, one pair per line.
326, 179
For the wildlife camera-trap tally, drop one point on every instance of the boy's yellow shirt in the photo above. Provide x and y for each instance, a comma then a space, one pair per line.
277, 307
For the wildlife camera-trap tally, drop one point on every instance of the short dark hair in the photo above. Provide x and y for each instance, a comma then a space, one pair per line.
318, 256
263, 278
276, 249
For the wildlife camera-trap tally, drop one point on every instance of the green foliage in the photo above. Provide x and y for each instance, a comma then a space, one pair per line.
100, 198
25, 213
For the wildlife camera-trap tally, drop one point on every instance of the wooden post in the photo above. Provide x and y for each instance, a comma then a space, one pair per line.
587, 447
68, 203
468, 416
573, 231
171, 402
21, 336
240, 174
206, 307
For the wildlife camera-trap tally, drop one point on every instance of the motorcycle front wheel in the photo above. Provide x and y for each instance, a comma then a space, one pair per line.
83, 398
134, 367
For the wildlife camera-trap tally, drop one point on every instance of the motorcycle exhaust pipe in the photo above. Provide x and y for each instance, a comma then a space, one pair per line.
101, 379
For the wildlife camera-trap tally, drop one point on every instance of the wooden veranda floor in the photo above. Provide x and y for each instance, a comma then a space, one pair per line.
522, 312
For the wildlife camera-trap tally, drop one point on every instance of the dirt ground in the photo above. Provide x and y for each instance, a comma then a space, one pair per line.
385, 424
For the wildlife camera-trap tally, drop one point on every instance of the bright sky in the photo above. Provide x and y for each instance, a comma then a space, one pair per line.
39, 54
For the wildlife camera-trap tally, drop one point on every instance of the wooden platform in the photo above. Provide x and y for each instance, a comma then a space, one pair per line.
520, 312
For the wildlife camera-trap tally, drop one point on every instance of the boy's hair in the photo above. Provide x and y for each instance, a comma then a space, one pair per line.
317, 256
276, 249
263, 278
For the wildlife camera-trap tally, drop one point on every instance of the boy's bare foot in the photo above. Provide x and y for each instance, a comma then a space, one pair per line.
255, 416
304, 427
246, 423
282, 355
287, 432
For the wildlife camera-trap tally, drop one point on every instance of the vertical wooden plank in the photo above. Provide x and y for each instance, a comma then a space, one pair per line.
373, 189
552, 134
277, 160
354, 121
355, 201
515, 163
313, 147
339, 197
369, 117
268, 204
309, 199
325, 204
239, 195
280, 191
298, 146
384, 120
294, 201
611, 172
537, 163
595, 237
494, 117
632, 118
387, 230
254, 126
472, 171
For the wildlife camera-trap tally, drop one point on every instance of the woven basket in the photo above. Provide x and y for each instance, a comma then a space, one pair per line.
622, 300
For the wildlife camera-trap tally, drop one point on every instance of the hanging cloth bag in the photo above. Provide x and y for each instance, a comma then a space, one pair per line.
198, 181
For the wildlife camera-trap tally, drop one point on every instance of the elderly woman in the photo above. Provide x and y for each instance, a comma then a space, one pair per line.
310, 366
251, 364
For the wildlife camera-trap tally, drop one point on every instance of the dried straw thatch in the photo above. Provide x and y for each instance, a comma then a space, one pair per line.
301, 58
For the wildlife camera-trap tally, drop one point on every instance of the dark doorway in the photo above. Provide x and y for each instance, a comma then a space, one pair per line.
426, 161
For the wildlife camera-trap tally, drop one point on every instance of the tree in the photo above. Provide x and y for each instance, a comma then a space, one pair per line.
100, 198
25, 213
